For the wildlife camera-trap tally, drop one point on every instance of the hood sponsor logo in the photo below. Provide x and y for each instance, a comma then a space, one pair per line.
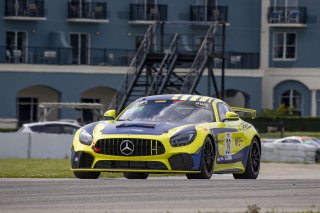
126, 147
137, 130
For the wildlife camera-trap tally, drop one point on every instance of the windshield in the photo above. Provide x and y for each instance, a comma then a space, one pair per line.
168, 111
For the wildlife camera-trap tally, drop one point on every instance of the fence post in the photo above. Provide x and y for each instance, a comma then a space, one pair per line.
29, 146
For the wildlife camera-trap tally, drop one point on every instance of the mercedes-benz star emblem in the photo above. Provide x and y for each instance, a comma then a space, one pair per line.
126, 147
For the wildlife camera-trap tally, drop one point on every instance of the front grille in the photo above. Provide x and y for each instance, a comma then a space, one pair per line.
150, 165
142, 147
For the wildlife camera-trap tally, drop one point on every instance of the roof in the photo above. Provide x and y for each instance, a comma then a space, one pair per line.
182, 97
71, 105
50, 122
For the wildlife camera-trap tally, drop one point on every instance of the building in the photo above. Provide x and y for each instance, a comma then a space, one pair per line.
80, 50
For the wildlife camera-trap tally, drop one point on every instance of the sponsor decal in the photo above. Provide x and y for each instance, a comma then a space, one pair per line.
160, 101
227, 146
238, 141
201, 104
245, 126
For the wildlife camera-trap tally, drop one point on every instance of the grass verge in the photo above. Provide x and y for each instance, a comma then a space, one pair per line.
40, 168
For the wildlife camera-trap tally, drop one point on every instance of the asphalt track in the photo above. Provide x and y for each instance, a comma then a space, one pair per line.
280, 187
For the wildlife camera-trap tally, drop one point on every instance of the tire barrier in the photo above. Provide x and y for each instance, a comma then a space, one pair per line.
293, 153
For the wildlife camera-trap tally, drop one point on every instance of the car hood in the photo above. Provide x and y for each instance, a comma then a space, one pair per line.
143, 128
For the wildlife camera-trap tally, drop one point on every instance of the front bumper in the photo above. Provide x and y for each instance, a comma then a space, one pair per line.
167, 159
176, 163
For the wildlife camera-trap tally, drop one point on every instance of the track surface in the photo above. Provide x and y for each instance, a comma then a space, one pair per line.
281, 187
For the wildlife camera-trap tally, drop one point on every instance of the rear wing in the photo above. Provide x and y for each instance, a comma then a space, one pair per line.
251, 112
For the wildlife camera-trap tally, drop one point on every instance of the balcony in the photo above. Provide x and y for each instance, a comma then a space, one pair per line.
209, 14
147, 13
87, 12
105, 57
287, 16
31, 10
239, 60
65, 56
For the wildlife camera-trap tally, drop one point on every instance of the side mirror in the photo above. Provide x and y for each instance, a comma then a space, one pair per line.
110, 114
231, 116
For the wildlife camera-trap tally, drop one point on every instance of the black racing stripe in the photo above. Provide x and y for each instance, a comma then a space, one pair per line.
189, 98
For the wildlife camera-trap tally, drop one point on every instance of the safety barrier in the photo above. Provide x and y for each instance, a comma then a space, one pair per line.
42, 146
295, 153
53, 146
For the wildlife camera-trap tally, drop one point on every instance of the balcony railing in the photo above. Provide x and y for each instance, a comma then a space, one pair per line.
66, 56
87, 10
148, 12
210, 13
105, 57
31, 8
287, 15
239, 60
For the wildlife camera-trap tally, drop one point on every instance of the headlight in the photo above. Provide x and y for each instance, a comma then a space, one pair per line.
85, 138
183, 139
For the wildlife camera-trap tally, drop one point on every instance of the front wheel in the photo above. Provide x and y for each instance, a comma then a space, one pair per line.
253, 162
87, 175
135, 175
207, 160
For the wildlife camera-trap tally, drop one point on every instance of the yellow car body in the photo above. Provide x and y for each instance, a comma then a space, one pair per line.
165, 147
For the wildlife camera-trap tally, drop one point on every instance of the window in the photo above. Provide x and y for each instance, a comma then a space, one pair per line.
222, 109
285, 3
292, 99
290, 141
80, 43
27, 110
87, 114
284, 46
16, 47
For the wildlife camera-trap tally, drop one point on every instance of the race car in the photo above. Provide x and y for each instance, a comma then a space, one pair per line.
188, 134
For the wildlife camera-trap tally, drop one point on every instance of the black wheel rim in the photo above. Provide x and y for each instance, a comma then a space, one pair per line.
255, 157
209, 157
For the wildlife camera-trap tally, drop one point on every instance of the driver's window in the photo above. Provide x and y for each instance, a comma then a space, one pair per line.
293, 141
222, 110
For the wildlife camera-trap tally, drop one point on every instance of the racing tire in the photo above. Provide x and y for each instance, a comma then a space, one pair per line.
253, 162
87, 175
207, 161
135, 175
317, 157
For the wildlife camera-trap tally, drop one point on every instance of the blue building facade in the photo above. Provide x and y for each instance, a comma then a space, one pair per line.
80, 50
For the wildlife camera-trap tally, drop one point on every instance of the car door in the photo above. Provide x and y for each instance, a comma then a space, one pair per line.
230, 141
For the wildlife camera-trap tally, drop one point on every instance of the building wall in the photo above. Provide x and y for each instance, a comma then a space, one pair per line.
69, 85
247, 31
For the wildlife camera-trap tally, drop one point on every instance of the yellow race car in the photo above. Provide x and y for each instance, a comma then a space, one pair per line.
189, 134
